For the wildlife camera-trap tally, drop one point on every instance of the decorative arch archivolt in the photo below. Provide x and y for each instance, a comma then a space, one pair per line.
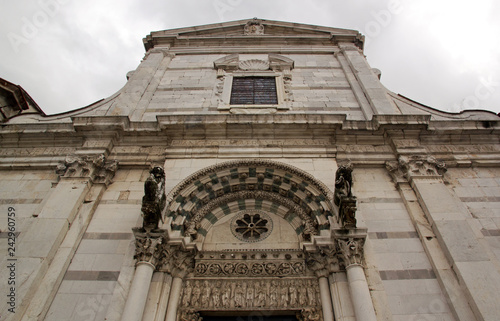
211, 193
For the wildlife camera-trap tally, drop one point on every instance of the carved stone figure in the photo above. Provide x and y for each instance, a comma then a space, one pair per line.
196, 293
154, 199
261, 294
343, 183
226, 295
284, 295
216, 299
186, 298
273, 294
311, 293
250, 294
205, 297
293, 294
239, 296
302, 294
343, 197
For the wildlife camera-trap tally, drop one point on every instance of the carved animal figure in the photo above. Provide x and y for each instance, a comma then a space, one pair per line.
343, 183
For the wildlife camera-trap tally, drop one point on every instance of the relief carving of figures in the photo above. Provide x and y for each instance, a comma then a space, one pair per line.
273, 294
239, 295
261, 294
196, 293
250, 294
154, 199
186, 298
302, 294
226, 295
205, 297
216, 297
284, 294
293, 294
311, 293
351, 251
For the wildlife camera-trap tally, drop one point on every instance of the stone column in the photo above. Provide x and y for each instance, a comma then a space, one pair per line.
320, 263
179, 262
352, 253
148, 254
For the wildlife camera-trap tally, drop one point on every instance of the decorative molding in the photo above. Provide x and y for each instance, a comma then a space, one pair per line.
311, 180
251, 268
250, 294
193, 224
351, 251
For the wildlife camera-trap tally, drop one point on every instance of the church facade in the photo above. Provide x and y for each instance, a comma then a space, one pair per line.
252, 169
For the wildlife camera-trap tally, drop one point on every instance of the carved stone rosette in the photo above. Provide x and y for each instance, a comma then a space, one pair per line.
351, 251
98, 168
409, 166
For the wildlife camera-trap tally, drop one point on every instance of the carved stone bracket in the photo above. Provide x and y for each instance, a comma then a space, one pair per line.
97, 168
148, 246
351, 251
412, 166
189, 315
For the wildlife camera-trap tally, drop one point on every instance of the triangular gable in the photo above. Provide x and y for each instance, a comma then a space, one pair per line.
261, 27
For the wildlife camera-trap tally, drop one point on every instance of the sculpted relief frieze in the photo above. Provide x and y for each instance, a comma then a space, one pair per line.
250, 294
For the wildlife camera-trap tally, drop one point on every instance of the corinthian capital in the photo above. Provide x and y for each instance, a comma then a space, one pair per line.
148, 247
351, 251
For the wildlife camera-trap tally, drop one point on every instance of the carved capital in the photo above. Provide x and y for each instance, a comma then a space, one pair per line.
410, 166
322, 262
189, 315
177, 261
351, 251
97, 168
148, 247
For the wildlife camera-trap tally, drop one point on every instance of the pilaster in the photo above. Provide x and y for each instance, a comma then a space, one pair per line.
448, 239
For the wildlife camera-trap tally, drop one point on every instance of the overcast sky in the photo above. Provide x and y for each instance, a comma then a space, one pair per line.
68, 54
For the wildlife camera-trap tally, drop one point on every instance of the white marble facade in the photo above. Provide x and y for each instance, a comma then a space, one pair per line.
250, 226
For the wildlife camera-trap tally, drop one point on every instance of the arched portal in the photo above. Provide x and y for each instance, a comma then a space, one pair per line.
213, 193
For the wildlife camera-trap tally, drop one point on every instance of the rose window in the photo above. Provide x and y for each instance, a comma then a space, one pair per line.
251, 226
